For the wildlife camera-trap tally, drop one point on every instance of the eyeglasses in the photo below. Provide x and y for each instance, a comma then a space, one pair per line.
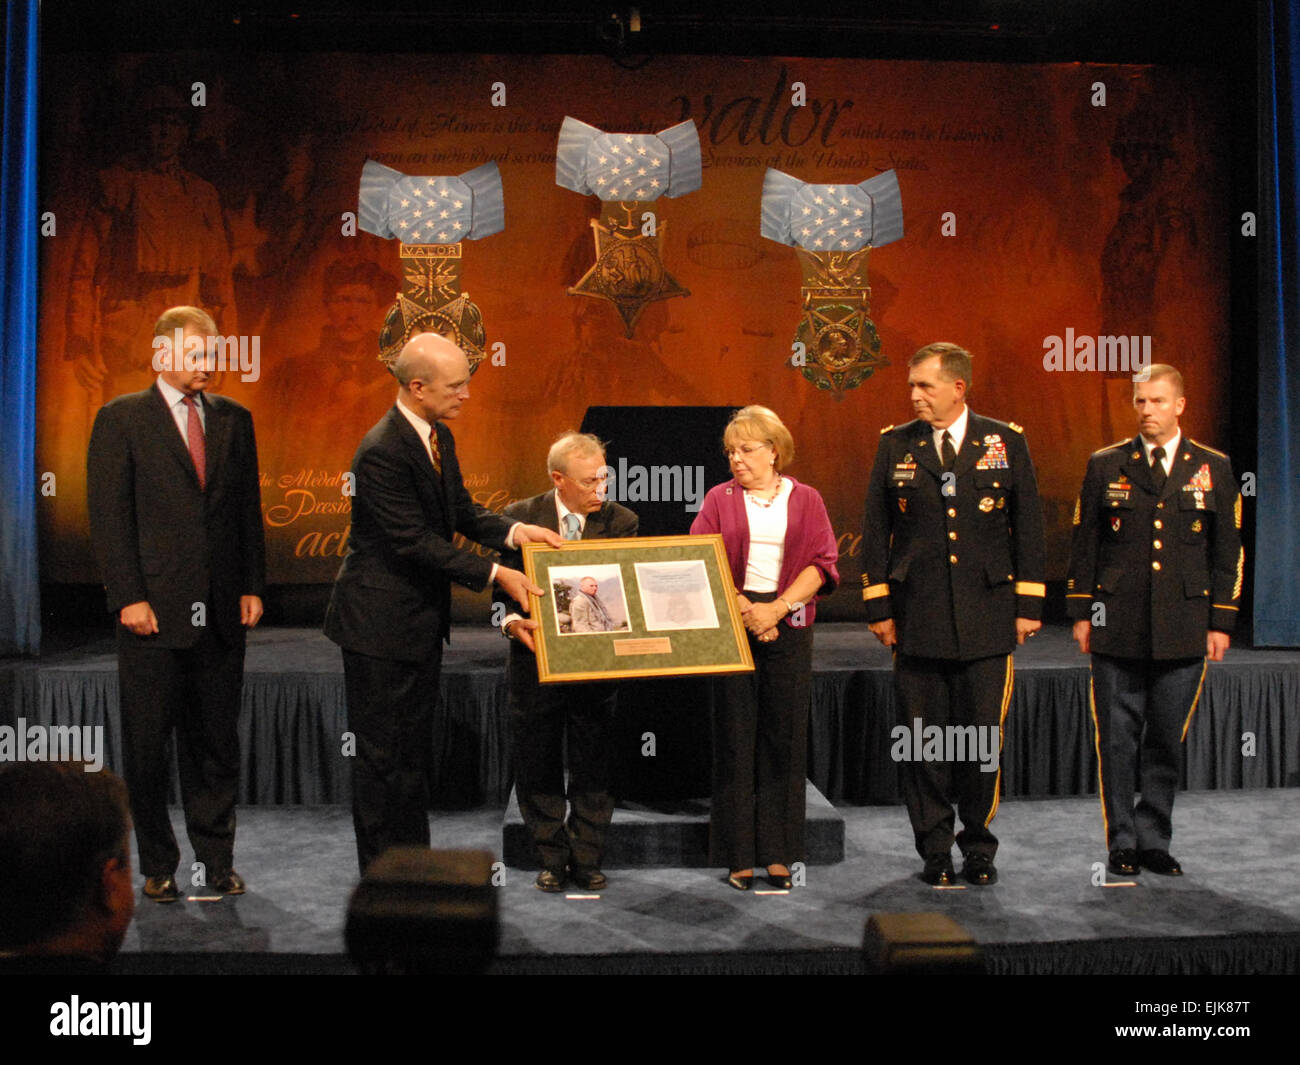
743, 449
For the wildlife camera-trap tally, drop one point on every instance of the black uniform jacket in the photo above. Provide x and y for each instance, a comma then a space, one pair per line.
1155, 570
392, 596
954, 561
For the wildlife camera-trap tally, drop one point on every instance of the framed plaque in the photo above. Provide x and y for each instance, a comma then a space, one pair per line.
650, 606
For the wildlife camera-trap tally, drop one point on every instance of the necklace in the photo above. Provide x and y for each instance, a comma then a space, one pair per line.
765, 503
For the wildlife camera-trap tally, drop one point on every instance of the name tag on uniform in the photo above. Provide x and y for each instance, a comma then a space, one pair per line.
904, 471
1118, 491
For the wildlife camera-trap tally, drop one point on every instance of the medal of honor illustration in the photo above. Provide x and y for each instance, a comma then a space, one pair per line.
833, 229
431, 217
629, 172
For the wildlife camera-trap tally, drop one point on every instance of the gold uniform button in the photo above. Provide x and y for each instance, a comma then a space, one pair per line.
1157, 544
1158, 523
1155, 565
952, 559
952, 512
1160, 506
952, 536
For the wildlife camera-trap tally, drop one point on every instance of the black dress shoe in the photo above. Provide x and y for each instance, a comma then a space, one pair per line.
978, 869
1160, 862
589, 879
781, 882
550, 881
230, 883
1124, 862
741, 881
161, 888
938, 871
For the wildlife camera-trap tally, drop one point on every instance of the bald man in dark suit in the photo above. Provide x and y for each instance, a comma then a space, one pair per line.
390, 610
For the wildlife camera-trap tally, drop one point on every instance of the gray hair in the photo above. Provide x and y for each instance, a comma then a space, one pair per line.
569, 444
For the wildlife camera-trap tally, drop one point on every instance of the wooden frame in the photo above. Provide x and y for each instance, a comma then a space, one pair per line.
665, 606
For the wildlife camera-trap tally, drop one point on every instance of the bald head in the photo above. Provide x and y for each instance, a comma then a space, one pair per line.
434, 375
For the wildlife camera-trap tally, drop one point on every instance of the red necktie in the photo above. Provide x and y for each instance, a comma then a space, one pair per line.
434, 450
194, 436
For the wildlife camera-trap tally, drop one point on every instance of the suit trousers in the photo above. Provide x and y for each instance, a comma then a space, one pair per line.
949, 692
196, 692
544, 721
760, 754
390, 715
1141, 710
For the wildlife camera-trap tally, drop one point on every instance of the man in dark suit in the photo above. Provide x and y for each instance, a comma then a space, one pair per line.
176, 519
1154, 587
953, 581
390, 610
541, 716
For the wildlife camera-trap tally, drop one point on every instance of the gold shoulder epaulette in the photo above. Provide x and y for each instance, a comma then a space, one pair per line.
1111, 447
1204, 447
885, 429
1016, 428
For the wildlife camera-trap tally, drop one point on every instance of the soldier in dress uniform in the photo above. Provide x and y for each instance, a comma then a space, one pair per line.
953, 581
1154, 587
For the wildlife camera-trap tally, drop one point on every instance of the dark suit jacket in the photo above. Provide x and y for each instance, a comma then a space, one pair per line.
1167, 565
392, 597
158, 536
953, 571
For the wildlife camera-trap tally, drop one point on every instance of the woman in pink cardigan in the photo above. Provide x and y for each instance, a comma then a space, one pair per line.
782, 553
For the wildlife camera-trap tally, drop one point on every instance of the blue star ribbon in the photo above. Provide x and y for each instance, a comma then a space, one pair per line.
628, 166
431, 210
832, 217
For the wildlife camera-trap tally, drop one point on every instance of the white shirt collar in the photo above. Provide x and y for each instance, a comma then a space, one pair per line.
422, 428
174, 395
957, 430
1171, 449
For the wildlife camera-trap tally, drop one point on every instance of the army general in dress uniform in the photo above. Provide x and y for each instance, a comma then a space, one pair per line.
1154, 586
953, 580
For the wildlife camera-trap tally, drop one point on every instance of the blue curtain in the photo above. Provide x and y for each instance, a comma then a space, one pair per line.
20, 613
1277, 506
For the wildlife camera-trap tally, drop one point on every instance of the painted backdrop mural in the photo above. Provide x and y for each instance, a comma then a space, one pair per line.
1031, 212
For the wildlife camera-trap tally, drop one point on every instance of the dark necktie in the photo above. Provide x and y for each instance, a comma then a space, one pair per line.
194, 438
1158, 468
947, 453
435, 451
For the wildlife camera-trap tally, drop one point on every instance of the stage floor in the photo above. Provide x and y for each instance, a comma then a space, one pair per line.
1235, 911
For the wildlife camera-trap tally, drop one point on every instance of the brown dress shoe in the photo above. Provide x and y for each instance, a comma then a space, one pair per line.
230, 883
161, 888
550, 881
589, 879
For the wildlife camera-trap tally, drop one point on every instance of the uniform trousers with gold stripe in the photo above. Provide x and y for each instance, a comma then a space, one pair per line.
1141, 710
943, 692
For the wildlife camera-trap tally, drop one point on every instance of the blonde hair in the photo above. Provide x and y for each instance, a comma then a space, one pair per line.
759, 423
179, 317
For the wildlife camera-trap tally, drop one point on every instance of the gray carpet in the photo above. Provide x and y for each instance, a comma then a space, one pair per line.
1241, 852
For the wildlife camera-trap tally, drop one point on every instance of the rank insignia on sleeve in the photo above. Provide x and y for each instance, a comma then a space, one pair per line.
1078, 506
